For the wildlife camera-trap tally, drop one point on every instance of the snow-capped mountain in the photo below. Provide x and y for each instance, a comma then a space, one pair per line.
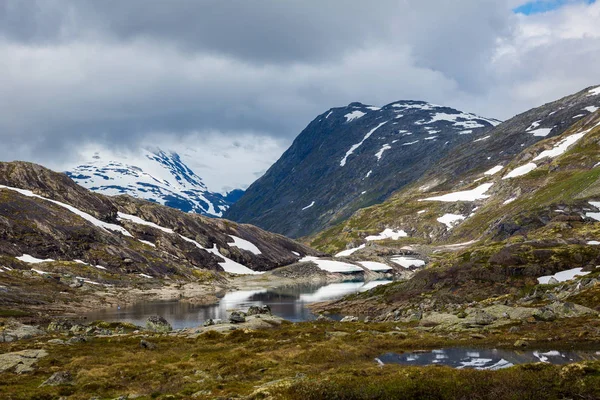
353, 157
154, 175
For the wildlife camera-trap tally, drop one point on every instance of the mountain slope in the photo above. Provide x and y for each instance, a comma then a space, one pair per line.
468, 196
158, 176
352, 157
44, 215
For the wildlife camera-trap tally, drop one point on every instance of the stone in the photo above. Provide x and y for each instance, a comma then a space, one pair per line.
209, 322
367, 319
478, 336
59, 378
237, 317
480, 317
56, 341
553, 281
258, 310
21, 361
59, 326
521, 343
144, 344
545, 314
77, 339
416, 316
323, 318
349, 318
158, 324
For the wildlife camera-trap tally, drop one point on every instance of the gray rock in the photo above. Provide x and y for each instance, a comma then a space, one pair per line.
59, 326
237, 317
553, 281
144, 344
323, 318
545, 314
349, 318
56, 341
21, 361
59, 378
158, 324
256, 310
77, 339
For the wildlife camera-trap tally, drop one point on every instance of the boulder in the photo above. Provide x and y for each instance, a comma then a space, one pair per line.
349, 318
257, 310
323, 318
545, 314
59, 326
237, 317
144, 344
21, 361
59, 378
156, 323
521, 343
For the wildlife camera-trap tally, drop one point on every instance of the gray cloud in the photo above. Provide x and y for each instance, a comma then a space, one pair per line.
116, 73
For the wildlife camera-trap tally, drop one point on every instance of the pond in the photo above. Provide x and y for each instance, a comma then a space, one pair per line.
288, 302
486, 359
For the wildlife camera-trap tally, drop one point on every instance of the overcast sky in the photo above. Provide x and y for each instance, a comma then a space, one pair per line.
234, 82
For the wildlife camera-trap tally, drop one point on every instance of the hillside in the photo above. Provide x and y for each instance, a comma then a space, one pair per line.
352, 157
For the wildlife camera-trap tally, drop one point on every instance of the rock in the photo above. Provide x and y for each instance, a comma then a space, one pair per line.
144, 344
209, 322
18, 331
336, 334
323, 318
545, 314
513, 329
553, 281
478, 336
367, 319
21, 361
59, 326
56, 341
156, 323
416, 316
482, 318
59, 378
256, 310
462, 314
521, 343
349, 318
237, 317
77, 339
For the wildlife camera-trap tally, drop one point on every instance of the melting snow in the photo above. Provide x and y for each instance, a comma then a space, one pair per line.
137, 220
594, 215
37, 271
296, 253
373, 108
84, 215
509, 200
542, 132
593, 243
388, 234
522, 170
354, 115
309, 206
579, 116
483, 138
468, 195
494, 171
375, 266
332, 266
346, 253
244, 245
562, 146
534, 125
450, 219
145, 276
32, 260
594, 92
330, 112
407, 262
563, 275
410, 143
380, 152
147, 242
592, 109
357, 145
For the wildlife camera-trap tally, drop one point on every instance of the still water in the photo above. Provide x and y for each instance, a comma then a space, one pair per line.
289, 303
485, 359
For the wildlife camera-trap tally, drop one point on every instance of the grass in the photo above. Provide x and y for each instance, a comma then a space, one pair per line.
296, 361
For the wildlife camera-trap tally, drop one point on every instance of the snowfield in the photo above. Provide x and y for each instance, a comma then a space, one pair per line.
357, 145
244, 245
354, 115
387, 234
468, 195
450, 219
519, 171
562, 276
333, 266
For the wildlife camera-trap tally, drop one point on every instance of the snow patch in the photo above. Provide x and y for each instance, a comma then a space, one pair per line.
592, 109
494, 170
309, 206
354, 115
562, 146
450, 219
407, 262
332, 266
32, 260
348, 252
522, 170
244, 245
594, 92
379, 154
468, 195
542, 132
562, 276
388, 234
357, 145
480, 139
375, 266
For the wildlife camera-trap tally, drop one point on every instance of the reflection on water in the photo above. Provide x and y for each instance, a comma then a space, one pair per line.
289, 303
490, 359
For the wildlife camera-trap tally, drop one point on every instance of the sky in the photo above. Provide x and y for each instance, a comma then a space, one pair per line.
232, 83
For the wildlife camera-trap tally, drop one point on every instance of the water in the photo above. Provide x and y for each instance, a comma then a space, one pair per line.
289, 303
486, 359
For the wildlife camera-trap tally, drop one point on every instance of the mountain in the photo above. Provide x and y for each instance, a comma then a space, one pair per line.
471, 168
506, 233
158, 176
45, 216
353, 157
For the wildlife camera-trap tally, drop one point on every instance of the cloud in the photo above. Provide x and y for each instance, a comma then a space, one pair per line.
124, 74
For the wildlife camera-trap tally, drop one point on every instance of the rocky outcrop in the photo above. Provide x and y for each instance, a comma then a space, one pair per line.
158, 324
21, 362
